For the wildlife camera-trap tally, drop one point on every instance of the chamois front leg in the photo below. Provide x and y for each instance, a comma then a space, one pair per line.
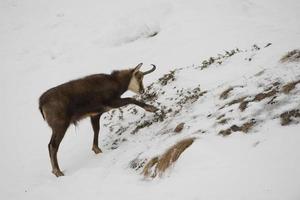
125, 101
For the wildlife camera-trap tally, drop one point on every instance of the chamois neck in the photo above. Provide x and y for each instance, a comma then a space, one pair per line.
123, 78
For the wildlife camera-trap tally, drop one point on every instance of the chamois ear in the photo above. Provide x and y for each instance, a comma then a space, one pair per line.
137, 68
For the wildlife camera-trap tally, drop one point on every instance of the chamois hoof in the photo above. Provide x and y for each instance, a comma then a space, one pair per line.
57, 173
97, 150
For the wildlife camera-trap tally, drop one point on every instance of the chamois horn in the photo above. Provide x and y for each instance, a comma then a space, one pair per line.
149, 71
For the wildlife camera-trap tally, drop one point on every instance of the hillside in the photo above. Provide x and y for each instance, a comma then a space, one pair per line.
227, 86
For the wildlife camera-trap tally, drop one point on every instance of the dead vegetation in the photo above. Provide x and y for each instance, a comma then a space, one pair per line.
292, 56
179, 128
218, 59
137, 163
258, 97
289, 86
235, 101
158, 165
287, 117
167, 78
149, 96
183, 98
270, 91
243, 128
148, 169
189, 96
225, 94
263, 95
159, 116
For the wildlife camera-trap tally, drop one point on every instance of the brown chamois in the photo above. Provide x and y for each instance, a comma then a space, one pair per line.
90, 96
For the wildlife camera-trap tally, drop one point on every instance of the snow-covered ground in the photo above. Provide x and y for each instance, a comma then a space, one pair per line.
44, 43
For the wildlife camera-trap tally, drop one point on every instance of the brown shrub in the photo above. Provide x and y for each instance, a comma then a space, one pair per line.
167, 78
148, 169
225, 94
286, 116
158, 165
243, 105
137, 163
247, 126
243, 128
179, 128
236, 101
258, 97
262, 95
289, 86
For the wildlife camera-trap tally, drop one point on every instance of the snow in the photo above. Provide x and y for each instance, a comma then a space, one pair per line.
46, 43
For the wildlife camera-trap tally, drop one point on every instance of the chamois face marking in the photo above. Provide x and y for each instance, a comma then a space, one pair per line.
136, 81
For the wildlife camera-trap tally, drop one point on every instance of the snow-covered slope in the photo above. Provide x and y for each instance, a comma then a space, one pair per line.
243, 148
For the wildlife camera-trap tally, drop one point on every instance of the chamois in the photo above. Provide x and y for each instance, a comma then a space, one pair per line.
90, 96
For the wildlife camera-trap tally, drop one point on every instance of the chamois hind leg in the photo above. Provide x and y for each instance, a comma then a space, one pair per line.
58, 133
95, 120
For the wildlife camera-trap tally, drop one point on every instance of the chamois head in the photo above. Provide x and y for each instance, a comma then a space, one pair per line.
136, 81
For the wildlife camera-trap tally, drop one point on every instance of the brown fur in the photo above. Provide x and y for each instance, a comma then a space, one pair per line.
74, 99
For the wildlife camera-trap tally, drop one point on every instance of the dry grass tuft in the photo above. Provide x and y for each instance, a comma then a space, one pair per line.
289, 86
148, 169
225, 94
286, 116
236, 101
243, 105
243, 128
179, 127
262, 95
158, 165
292, 56
167, 78
258, 97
